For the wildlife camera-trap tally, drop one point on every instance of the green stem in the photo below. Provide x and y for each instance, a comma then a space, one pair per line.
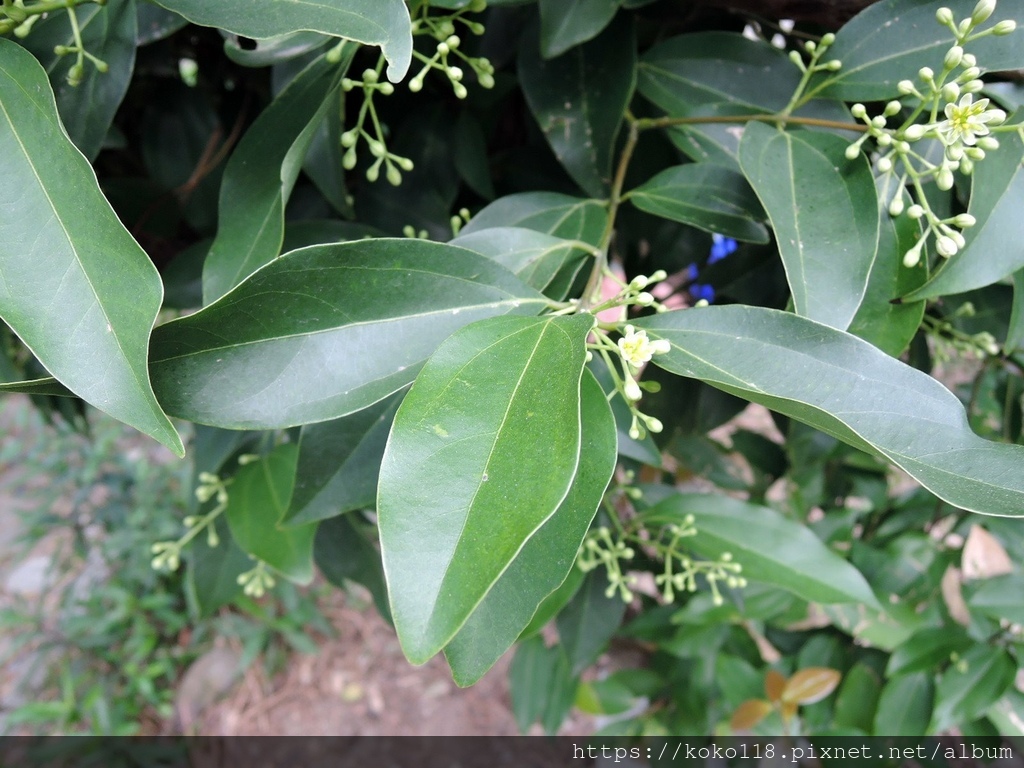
54, 5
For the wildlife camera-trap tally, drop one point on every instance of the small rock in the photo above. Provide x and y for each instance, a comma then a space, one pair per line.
207, 679
29, 578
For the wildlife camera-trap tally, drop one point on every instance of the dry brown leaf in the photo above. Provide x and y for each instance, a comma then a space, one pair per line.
983, 556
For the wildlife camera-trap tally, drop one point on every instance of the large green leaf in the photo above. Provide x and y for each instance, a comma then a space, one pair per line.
567, 23
890, 326
375, 22
482, 452
541, 685
824, 210
338, 327
551, 213
705, 196
905, 705
343, 551
995, 245
543, 262
74, 285
257, 499
712, 74
999, 598
108, 32
589, 621
850, 390
891, 40
548, 556
339, 461
770, 547
971, 686
579, 99
259, 178
211, 576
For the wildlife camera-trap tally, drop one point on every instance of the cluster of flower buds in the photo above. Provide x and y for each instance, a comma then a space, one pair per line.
257, 581
816, 50
599, 548
18, 18
952, 116
375, 142
449, 48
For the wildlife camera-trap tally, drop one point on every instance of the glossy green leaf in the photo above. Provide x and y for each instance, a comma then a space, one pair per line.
890, 326
705, 196
74, 285
589, 621
344, 552
995, 245
482, 452
567, 23
271, 50
471, 159
49, 387
891, 40
824, 210
927, 649
849, 389
1000, 598
374, 22
155, 23
579, 100
711, 74
771, 548
857, 699
541, 685
259, 178
327, 343
551, 213
540, 260
1015, 332
553, 604
324, 159
547, 557
905, 706
339, 461
212, 573
108, 32
257, 500
969, 687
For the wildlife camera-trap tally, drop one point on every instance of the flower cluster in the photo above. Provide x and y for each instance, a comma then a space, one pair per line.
257, 581
167, 554
942, 108
449, 46
724, 569
599, 548
19, 18
394, 164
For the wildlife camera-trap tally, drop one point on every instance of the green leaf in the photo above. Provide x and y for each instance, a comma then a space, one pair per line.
567, 23
374, 22
971, 686
272, 50
471, 158
891, 40
905, 706
547, 558
589, 621
482, 452
551, 213
339, 461
1000, 598
212, 573
709, 75
71, 277
155, 23
553, 604
857, 699
771, 548
540, 260
705, 196
259, 178
927, 649
848, 389
48, 387
108, 32
541, 685
824, 210
1015, 333
343, 551
257, 499
889, 326
579, 100
327, 342
995, 245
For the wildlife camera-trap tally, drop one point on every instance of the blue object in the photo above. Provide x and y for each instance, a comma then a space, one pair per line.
702, 291
721, 247
691, 273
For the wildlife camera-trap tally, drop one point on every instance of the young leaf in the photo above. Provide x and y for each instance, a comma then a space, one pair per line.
108, 32
891, 40
551, 213
72, 280
774, 685
705, 196
341, 326
374, 22
567, 23
849, 389
807, 686
824, 210
548, 556
482, 452
259, 178
905, 706
579, 100
749, 714
257, 499
995, 244
339, 461
771, 548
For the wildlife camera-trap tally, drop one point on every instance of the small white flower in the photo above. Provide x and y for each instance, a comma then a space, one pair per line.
635, 348
966, 120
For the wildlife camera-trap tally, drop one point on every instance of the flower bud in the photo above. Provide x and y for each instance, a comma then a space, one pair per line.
896, 206
945, 246
639, 282
654, 425
386, 89
373, 172
347, 84
957, 238
394, 176
453, 41
944, 15
972, 86
988, 143
915, 132
455, 73
443, 49
794, 56
1005, 27
884, 164
955, 152
964, 220
660, 347
891, 108
926, 74
827, 39
970, 60
966, 166
416, 85
810, 46
460, 90
858, 111
969, 74
486, 81
982, 11
905, 87
833, 65
975, 153
632, 390
658, 276
476, 6
370, 76
884, 140
377, 149
912, 257
944, 179
404, 163
915, 211
950, 91
644, 299
953, 57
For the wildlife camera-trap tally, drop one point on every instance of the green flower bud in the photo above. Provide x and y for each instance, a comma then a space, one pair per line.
347, 84
915, 132
833, 65
632, 391
982, 11
955, 153
896, 206
460, 90
658, 276
454, 41
945, 246
926, 74
394, 175
455, 73
443, 49
966, 166
915, 211
975, 153
969, 60
884, 164
913, 257
972, 86
905, 87
446, 28
858, 111
75, 74
486, 81
370, 76
476, 6
794, 56
373, 172
416, 84
950, 91
1005, 27
349, 138
810, 46
644, 299
892, 108
827, 39
404, 163
988, 143
953, 57
474, 26
969, 74
386, 89
878, 121
348, 161
377, 149
944, 179
944, 15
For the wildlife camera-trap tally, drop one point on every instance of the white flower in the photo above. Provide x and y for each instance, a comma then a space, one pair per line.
966, 121
636, 349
